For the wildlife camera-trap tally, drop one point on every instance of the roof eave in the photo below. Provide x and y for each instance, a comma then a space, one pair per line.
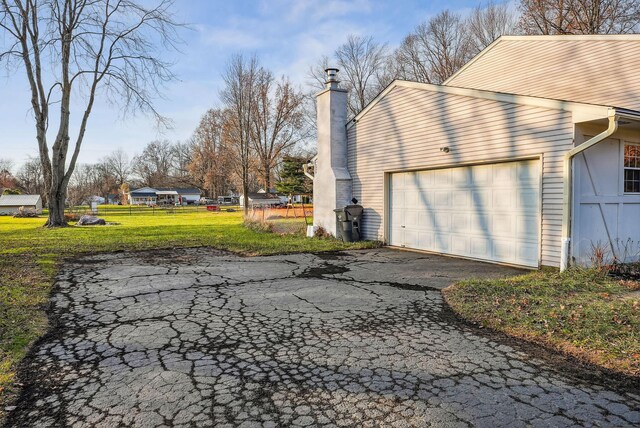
587, 110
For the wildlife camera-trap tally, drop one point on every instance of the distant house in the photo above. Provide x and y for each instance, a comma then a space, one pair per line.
261, 200
284, 199
11, 204
164, 195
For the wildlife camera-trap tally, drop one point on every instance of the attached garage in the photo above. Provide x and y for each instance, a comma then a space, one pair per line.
493, 166
487, 212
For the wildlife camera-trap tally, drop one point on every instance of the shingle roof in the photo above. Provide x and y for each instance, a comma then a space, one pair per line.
262, 196
596, 69
180, 190
19, 200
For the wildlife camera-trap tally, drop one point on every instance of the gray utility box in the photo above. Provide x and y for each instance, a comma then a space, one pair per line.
349, 219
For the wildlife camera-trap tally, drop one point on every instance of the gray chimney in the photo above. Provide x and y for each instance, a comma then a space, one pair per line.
332, 181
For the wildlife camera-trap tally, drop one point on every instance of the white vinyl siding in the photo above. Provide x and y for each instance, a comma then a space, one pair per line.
406, 129
589, 69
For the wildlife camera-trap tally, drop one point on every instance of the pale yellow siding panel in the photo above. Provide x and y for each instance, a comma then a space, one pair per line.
408, 126
597, 71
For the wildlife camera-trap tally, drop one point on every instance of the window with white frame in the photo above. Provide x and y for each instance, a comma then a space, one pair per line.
632, 168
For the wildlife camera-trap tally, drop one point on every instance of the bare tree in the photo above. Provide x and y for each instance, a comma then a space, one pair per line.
361, 60
487, 23
239, 95
435, 49
580, 16
31, 178
410, 58
79, 49
86, 181
154, 165
6, 164
182, 156
118, 165
210, 165
278, 122
7, 179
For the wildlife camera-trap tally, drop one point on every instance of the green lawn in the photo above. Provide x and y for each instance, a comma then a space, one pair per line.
579, 312
30, 255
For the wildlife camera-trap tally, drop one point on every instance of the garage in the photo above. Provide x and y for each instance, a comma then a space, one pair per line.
487, 212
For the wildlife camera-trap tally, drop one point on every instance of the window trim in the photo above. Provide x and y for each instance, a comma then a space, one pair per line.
624, 168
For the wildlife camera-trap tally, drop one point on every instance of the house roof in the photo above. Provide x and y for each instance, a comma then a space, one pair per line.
583, 111
19, 200
592, 69
154, 191
256, 196
182, 190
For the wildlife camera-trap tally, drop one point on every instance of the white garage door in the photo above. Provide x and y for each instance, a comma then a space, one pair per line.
487, 212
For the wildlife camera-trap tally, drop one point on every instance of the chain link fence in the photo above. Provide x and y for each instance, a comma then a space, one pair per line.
283, 220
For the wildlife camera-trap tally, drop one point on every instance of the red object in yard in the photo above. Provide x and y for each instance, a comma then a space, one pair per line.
213, 208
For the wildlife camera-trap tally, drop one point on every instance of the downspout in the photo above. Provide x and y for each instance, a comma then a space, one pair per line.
568, 185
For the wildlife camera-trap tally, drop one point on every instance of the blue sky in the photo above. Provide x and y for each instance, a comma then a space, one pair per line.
287, 35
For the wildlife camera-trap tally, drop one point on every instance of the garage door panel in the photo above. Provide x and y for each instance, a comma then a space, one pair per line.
504, 251
480, 248
441, 199
441, 242
461, 199
481, 176
442, 177
461, 223
425, 179
503, 225
460, 245
527, 199
528, 252
504, 198
504, 173
488, 212
527, 225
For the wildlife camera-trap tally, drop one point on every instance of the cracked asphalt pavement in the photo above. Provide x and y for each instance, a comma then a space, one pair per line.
190, 338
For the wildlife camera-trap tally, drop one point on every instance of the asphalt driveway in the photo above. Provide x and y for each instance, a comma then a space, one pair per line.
200, 338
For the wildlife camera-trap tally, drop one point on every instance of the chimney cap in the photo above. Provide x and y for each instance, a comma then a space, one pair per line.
332, 74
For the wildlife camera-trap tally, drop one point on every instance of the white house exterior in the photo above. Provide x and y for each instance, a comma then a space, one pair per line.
153, 196
261, 200
490, 171
11, 204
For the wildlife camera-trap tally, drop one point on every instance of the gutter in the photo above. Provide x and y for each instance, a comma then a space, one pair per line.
568, 184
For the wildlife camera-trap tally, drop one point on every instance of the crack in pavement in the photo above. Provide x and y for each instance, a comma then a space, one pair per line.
198, 337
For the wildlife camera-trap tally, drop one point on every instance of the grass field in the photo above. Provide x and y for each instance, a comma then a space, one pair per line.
580, 312
30, 255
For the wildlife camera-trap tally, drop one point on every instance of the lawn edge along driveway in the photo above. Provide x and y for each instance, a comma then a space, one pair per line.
581, 313
31, 255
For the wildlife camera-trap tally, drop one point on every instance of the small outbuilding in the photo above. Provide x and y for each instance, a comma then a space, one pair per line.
11, 204
261, 200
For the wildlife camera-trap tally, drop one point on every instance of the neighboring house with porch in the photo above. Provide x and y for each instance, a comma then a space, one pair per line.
11, 204
529, 155
163, 195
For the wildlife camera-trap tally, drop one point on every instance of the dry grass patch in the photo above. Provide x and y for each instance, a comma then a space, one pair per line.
580, 312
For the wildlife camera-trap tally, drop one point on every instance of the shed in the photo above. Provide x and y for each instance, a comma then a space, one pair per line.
11, 204
261, 200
